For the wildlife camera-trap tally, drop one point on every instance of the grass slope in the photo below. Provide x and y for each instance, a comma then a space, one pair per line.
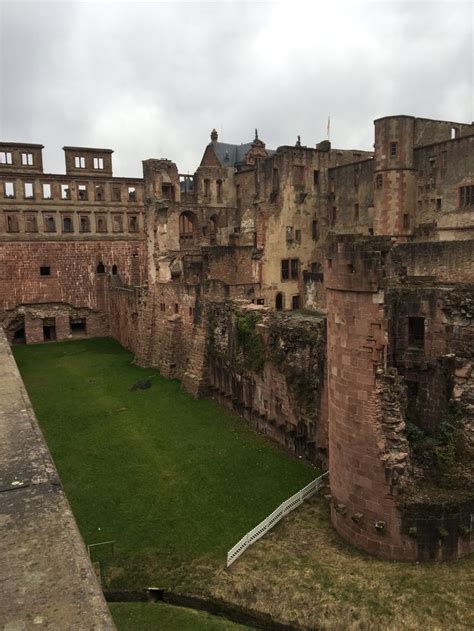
149, 617
172, 480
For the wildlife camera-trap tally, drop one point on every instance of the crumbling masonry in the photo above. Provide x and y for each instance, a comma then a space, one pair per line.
324, 294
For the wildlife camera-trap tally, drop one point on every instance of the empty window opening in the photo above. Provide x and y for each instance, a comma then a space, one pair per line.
80, 162
379, 181
393, 149
162, 306
132, 194
207, 188
84, 223
279, 301
5, 157
99, 193
133, 223
191, 311
219, 190
31, 223
315, 179
167, 192
260, 301
315, 230
100, 269
114, 270
19, 336
350, 268
78, 326
9, 190
45, 270
298, 236
47, 191
295, 302
333, 215
416, 332
28, 187
101, 225
12, 223
356, 212
116, 194
27, 159
290, 269
438, 203
65, 191
455, 132
49, 329
275, 180
187, 225
98, 163
67, 224
176, 307
213, 230
329, 262
82, 192
117, 223
466, 196
406, 222
285, 269
49, 223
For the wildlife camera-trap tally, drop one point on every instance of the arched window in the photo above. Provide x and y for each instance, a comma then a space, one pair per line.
187, 225
100, 268
114, 270
279, 301
67, 224
213, 230
219, 190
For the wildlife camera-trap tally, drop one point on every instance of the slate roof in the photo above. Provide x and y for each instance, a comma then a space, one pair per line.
231, 155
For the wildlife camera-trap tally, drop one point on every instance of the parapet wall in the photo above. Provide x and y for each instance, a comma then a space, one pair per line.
48, 578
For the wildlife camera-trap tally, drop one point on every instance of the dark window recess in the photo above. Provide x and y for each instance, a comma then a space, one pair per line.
315, 230
49, 329
466, 196
84, 224
114, 270
393, 149
379, 181
295, 302
176, 307
315, 179
67, 224
356, 212
279, 302
333, 216
285, 269
78, 326
416, 332
100, 268
406, 222
45, 270
260, 301
438, 203
295, 268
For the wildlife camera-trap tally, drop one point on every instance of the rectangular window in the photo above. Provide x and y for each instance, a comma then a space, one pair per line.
28, 188
12, 222
47, 191
285, 269
356, 212
207, 188
416, 332
80, 162
466, 196
27, 159
49, 223
315, 179
5, 157
133, 223
406, 222
116, 194
295, 268
99, 193
117, 223
393, 149
84, 223
162, 306
100, 223
98, 163
45, 270
31, 223
82, 192
67, 224
132, 194
65, 191
298, 236
9, 190
315, 230
333, 215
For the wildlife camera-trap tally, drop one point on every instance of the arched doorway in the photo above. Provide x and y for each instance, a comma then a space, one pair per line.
279, 301
187, 229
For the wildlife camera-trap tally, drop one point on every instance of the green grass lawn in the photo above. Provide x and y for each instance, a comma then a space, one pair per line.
174, 481
149, 617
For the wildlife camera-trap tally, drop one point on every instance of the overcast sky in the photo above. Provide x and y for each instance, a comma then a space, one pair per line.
152, 79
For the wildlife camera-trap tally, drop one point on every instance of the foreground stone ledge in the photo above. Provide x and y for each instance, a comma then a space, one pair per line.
46, 578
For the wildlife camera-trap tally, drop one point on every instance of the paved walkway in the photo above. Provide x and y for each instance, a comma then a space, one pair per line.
46, 579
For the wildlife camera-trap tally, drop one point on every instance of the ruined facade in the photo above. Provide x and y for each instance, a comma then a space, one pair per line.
324, 294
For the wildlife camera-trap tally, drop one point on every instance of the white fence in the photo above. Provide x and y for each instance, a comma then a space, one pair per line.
264, 526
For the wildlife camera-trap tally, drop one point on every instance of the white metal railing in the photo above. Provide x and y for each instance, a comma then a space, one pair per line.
264, 526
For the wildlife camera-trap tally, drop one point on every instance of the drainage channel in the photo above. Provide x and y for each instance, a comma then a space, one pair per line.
216, 607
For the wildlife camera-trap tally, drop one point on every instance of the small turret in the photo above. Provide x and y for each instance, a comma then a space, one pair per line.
214, 136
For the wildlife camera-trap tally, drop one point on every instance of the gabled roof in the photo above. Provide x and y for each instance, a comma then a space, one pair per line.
231, 155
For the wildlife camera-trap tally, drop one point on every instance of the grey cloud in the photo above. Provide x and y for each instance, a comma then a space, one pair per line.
152, 79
